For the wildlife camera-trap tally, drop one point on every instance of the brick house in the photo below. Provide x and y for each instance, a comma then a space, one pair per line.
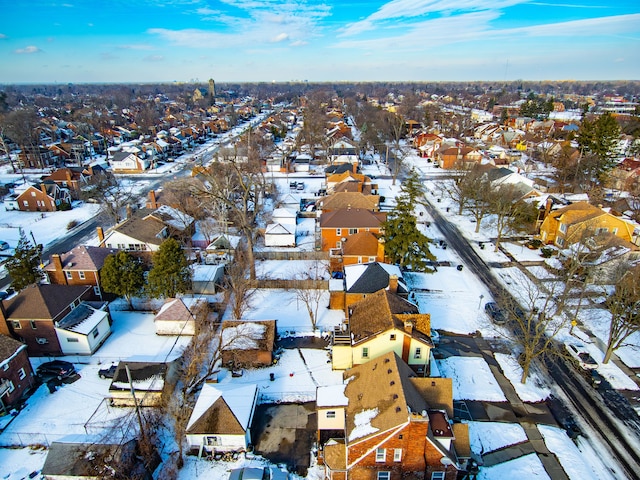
362, 279
380, 323
32, 315
248, 343
80, 266
362, 247
48, 197
16, 373
457, 157
70, 178
336, 227
400, 431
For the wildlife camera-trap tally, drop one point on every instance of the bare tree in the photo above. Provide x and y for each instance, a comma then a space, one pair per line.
239, 287
310, 297
624, 305
112, 195
510, 211
237, 186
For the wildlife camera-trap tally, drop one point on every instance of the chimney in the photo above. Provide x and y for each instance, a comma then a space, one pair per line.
57, 262
408, 326
4, 329
354, 167
68, 172
152, 199
43, 187
128, 212
100, 232
547, 207
393, 283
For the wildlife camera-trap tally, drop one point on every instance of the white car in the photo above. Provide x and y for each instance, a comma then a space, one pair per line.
580, 354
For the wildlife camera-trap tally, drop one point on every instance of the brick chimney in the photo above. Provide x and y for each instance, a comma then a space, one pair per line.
57, 262
408, 326
129, 212
393, 283
100, 233
43, 187
152, 199
68, 172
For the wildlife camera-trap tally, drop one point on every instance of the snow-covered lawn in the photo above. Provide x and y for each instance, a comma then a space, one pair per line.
533, 390
573, 461
472, 379
486, 437
527, 466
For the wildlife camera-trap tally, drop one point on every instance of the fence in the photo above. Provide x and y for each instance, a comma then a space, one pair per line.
290, 255
291, 284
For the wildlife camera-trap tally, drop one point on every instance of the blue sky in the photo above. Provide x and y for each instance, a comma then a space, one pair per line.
336, 40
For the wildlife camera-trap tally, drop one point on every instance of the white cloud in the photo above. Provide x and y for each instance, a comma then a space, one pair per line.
139, 46
280, 38
28, 50
2, 36
153, 58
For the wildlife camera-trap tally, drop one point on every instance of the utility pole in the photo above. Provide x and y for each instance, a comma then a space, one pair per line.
135, 402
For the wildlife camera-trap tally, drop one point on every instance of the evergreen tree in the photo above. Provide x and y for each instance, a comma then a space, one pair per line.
600, 138
170, 274
24, 266
123, 275
404, 244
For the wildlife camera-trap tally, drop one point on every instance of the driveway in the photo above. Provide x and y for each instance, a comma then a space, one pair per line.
285, 434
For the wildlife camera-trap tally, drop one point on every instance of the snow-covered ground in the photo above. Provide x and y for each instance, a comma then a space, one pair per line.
454, 298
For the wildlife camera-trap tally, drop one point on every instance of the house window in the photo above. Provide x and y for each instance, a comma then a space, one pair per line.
338, 244
95, 332
397, 454
437, 475
365, 352
563, 228
392, 337
33, 194
338, 232
331, 414
15, 324
353, 231
560, 241
72, 340
372, 259
384, 475
96, 290
381, 454
615, 231
68, 274
212, 441
601, 230
11, 387
418, 353
5, 367
22, 374
359, 259
81, 275
33, 324
25, 203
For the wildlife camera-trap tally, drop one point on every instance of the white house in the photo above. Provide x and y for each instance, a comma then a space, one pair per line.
284, 216
278, 235
128, 162
178, 316
221, 418
83, 330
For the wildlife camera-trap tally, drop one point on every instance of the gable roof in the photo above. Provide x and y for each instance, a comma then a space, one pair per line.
170, 217
147, 230
145, 376
224, 409
83, 258
382, 311
279, 229
179, 309
82, 319
9, 347
369, 277
362, 244
248, 335
381, 397
352, 218
341, 200
43, 301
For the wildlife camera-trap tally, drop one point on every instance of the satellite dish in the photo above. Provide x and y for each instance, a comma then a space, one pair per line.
446, 461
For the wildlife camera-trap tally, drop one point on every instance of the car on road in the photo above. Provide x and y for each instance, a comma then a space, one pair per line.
580, 355
495, 312
4, 245
58, 369
108, 372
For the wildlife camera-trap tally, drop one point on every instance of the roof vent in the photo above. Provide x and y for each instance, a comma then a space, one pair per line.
389, 371
392, 383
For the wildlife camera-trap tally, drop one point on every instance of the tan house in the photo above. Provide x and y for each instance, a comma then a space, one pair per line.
571, 224
383, 322
388, 423
341, 200
458, 157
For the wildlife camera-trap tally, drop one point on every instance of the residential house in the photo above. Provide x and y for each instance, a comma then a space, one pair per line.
180, 316
128, 162
427, 144
396, 425
383, 322
360, 280
207, 279
349, 181
362, 247
72, 179
344, 151
340, 200
221, 418
338, 226
48, 197
625, 176
147, 380
248, 343
222, 248
80, 266
83, 330
147, 229
32, 315
16, 373
575, 222
458, 157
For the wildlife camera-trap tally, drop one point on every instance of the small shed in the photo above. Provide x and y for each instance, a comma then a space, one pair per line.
178, 316
279, 235
147, 380
248, 343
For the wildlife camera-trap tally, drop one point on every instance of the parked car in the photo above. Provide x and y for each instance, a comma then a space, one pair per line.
4, 245
495, 312
580, 354
58, 369
108, 372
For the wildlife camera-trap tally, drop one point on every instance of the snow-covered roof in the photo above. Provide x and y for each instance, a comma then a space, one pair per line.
237, 397
331, 396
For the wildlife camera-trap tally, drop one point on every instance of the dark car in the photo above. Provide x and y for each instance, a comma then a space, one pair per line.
495, 312
108, 372
58, 369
